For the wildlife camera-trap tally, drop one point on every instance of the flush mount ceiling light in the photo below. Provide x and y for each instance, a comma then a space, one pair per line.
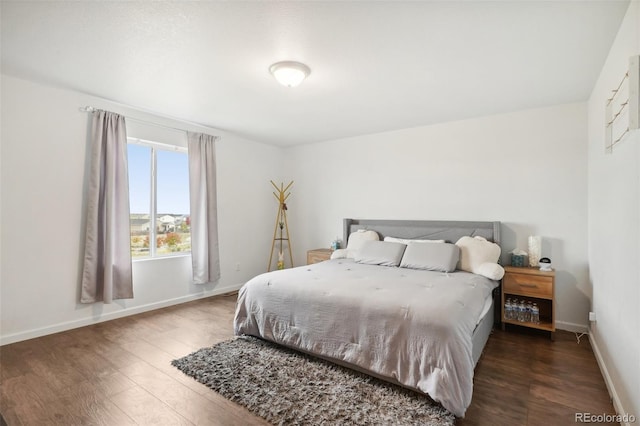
289, 73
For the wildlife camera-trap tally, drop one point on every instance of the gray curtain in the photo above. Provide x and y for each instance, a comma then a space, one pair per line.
107, 258
204, 207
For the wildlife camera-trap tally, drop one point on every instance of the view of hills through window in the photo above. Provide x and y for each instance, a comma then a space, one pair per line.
167, 191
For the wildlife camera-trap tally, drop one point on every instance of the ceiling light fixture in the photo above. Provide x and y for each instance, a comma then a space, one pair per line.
289, 73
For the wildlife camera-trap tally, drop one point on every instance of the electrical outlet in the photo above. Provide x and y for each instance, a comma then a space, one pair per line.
237, 266
592, 316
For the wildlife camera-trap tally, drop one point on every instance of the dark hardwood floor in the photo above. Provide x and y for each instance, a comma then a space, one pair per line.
119, 373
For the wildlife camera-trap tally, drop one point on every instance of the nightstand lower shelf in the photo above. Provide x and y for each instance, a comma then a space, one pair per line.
543, 325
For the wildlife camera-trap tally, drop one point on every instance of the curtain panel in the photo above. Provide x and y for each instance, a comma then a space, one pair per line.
204, 210
107, 273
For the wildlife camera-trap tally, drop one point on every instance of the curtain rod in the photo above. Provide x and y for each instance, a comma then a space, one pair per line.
90, 108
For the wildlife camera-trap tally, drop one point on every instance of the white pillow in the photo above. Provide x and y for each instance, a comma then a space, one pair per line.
493, 271
358, 238
340, 254
382, 253
408, 241
354, 243
476, 251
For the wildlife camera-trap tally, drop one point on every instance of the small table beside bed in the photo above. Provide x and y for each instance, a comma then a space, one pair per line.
394, 304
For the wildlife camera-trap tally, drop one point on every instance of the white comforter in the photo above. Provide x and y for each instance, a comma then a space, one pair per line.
405, 325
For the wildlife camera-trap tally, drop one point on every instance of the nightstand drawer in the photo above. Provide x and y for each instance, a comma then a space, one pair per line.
529, 285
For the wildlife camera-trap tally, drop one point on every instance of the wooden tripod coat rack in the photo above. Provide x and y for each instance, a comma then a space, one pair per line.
282, 225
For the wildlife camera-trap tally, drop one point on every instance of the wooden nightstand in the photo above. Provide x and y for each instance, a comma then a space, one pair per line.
318, 255
531, 284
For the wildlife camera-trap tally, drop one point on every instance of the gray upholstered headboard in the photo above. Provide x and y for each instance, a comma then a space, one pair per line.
450, 231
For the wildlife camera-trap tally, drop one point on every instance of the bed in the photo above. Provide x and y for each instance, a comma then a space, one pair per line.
421, 329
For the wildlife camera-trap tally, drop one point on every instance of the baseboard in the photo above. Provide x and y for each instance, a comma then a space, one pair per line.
617, 405
69, 325
570, 326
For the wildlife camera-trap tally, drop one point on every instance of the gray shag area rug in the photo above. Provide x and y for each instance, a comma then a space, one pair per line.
286, 387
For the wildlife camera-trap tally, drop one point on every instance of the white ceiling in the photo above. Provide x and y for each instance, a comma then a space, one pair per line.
375, 66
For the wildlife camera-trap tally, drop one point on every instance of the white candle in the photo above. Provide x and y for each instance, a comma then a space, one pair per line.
535, 250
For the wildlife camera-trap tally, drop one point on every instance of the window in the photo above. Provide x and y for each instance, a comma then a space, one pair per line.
158, 199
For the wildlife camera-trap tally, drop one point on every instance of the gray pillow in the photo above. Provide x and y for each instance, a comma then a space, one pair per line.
433, 257
380, 253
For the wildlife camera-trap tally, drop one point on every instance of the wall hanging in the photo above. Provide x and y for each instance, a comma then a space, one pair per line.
622, 108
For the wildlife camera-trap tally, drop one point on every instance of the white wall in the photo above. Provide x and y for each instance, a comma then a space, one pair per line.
44, 136
614, 231
526, 169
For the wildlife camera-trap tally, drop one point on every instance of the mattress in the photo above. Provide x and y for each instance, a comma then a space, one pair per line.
482, 332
